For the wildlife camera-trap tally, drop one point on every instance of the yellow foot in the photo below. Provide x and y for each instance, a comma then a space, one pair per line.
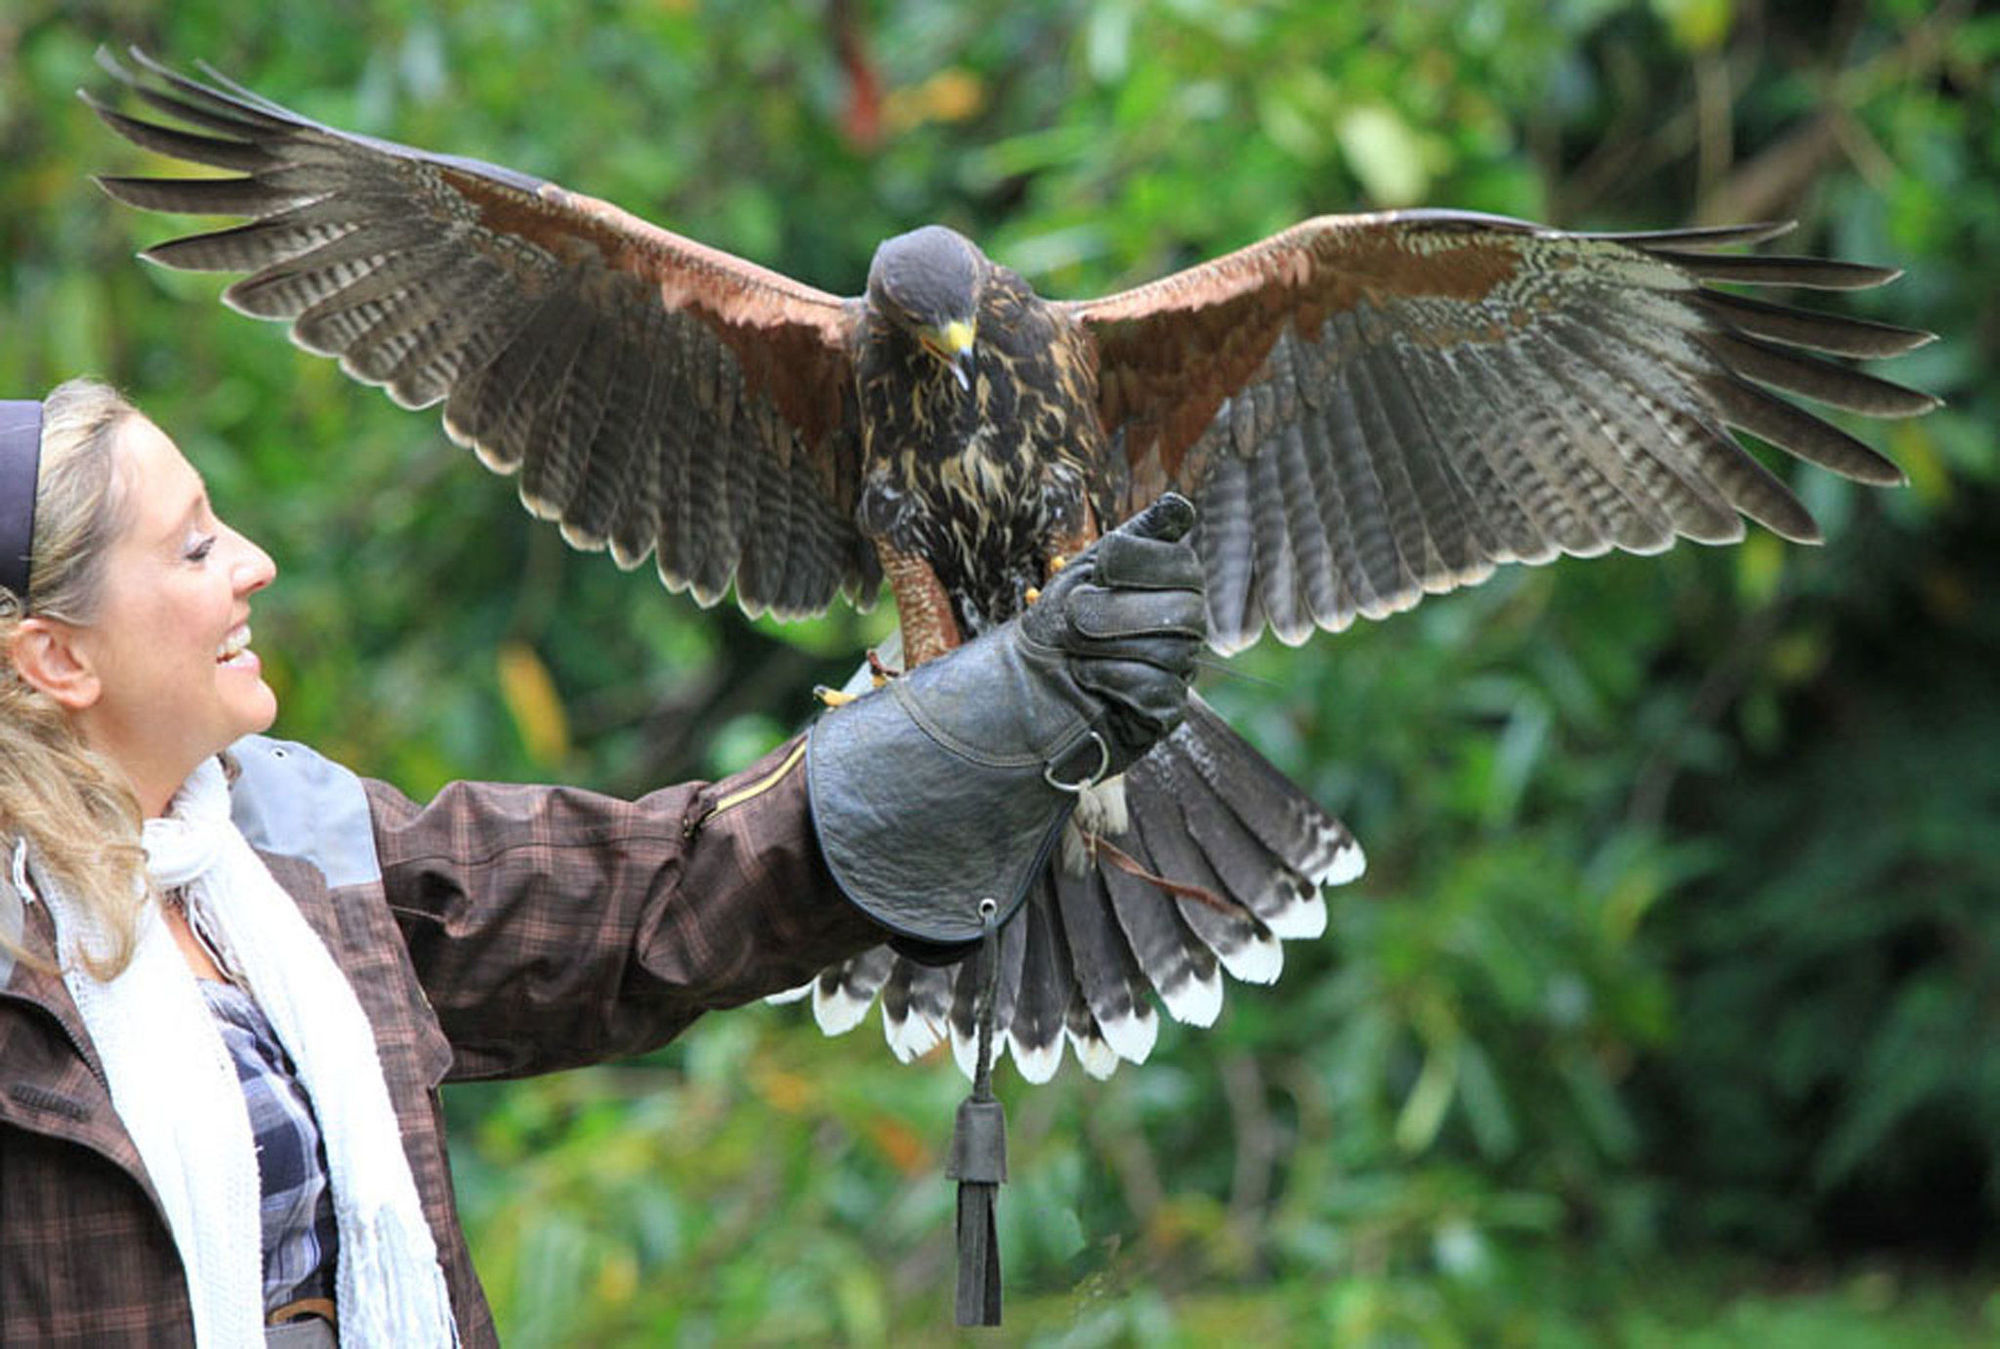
878, 673
832, 697
1056, 563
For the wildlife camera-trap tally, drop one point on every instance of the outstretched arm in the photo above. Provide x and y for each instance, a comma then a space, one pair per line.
553, 927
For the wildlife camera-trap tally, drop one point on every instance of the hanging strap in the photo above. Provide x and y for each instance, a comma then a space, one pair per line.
979, 1151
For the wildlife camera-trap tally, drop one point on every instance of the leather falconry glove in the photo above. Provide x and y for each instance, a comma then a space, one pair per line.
949, 785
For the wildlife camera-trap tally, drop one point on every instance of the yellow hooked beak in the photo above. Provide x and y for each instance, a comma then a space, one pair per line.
952, 344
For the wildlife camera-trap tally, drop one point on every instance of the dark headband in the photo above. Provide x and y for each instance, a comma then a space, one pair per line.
20, 470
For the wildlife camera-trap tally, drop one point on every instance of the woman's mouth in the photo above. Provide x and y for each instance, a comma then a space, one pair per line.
235, 648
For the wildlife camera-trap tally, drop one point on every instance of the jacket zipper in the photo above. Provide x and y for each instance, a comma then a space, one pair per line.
742, 794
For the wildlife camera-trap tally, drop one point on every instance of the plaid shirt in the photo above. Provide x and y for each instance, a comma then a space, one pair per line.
497, 931
300, 1231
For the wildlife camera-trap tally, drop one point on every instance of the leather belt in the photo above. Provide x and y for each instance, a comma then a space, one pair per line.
305, 1324
307, 1332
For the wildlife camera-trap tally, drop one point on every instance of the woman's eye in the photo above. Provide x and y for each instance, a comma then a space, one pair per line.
199, 551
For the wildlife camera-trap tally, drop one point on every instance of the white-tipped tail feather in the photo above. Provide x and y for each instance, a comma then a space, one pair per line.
1096, 1057
836, 1010
1347, 865
1194, 1001
1260, 960
1133, 1036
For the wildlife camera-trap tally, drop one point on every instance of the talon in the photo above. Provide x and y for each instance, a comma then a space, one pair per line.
1031, 594
832, 697
878, 673
1057, 563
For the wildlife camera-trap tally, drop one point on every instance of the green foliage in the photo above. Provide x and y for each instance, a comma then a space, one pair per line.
1867, 953
1676, 934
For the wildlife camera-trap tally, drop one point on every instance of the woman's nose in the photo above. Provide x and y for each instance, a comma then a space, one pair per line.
254, 568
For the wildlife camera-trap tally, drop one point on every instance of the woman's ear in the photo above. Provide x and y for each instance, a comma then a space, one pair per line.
48, 657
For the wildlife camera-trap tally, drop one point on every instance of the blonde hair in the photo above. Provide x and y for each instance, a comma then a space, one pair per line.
76, 810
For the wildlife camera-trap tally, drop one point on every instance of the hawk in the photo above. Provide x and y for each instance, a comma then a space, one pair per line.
1366, 409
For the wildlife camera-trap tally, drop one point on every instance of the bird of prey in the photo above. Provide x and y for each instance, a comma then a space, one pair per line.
1366, 409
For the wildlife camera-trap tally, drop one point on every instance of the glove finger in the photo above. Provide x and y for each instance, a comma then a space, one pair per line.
1173, 657
1135, 562
1138, 695
1168, 519
1099, 615
1137, 674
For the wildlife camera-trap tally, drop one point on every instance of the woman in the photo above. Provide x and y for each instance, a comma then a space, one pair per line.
233, 974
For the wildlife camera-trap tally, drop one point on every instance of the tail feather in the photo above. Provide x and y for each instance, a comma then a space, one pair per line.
1110, 986
1180, 966
1239, 939
916, 1003
843, 993
1203, 811
1286, 820
967, 976
1272, 887
1094, 1052
1035, 1033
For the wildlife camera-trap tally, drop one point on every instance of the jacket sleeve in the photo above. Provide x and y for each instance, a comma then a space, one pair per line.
552, 927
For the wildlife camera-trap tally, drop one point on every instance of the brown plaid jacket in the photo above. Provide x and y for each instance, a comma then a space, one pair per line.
498, 931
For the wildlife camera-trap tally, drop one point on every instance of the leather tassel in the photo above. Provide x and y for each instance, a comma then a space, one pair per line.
978, 1159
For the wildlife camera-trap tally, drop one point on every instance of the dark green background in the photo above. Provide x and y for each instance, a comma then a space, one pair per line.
1666, 1012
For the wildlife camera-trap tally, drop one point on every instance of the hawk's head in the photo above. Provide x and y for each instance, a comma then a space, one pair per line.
927, 283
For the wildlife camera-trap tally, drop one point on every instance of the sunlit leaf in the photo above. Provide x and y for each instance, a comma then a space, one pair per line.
533, 702
1384, 153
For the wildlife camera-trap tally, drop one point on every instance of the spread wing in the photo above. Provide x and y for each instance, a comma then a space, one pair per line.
654, 395
1372, 408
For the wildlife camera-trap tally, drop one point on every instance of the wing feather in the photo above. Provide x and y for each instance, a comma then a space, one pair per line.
1374, 567
531, 312
1495, 525
1835, 334
1820, 380
1601, 437
1445, 503
1271, 543
1446, 507
1665, 497
1688, 454
1342, 601
1222, 536
1467, 391
623, 493
1327, 599
1789, 427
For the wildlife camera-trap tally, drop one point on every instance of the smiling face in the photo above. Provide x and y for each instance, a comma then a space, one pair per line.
166, 674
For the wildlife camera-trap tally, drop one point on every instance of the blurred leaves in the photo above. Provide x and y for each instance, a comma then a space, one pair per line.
1678, 934
532, 700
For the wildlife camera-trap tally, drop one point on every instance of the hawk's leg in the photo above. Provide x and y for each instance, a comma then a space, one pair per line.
929, 626
923, 609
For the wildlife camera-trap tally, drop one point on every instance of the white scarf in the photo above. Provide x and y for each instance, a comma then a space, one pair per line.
176, 1090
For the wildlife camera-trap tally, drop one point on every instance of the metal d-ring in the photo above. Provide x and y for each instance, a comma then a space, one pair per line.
1076, 788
